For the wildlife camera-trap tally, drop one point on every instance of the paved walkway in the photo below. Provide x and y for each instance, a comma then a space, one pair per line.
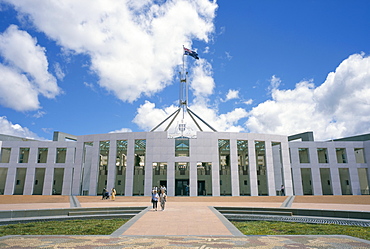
185, 222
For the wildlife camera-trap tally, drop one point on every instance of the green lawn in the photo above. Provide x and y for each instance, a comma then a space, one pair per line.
291, 228
68, 227
108, 226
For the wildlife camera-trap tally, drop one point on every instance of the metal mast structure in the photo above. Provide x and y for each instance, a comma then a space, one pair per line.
183, 100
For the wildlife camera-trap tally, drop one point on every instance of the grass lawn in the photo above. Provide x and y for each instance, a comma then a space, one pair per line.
108, 226
291, 228
68, 227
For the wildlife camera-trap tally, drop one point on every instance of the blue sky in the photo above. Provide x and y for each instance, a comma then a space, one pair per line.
276, 67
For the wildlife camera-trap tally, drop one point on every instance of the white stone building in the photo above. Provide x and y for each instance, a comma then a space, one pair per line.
205, 164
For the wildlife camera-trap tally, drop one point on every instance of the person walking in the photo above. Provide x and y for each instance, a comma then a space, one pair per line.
155, 197
282, 189
163, 199
114, 192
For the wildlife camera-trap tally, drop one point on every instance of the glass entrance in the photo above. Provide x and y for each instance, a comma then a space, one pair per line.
201, 188
182, 187
182, 178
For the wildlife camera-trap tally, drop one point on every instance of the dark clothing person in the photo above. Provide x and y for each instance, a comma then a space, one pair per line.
282, 190
155, 197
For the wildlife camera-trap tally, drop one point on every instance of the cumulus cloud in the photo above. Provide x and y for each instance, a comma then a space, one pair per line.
202, 83
134, 46
149, 116
8, 128
24, 74
232, 94
339, 107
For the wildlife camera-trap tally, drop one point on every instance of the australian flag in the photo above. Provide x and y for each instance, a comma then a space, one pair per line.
191, 53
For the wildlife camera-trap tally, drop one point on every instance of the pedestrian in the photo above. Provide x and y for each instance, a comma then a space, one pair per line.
155, 197
282, 189
163, 198
163, 188
113, 194
106, 194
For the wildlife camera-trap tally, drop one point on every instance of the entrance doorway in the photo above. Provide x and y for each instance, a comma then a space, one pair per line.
202, 188
163, 183
182, 187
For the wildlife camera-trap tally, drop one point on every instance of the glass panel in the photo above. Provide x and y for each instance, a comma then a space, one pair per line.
3, 174
364, 181
278, 168
322, 154
360, 155
159, 175
121, 164
58, 181
139, 167
23, 155
19, 182
326, 181
341, 155
304, 155
243, 167
306, 181
182, 179
225, 170
204, 175
5, 155
261, 167
42, 155
182, 147
345, 181
103, 165
61, 155
39, 181
86, 168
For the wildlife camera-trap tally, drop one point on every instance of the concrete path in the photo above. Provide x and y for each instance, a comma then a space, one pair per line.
181, 219
186, 222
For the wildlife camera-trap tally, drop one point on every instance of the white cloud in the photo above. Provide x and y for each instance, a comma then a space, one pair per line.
202, 83
148, 117
8, 128
339, 107
228, 56
248, 102
121, 130
16, 91
232, 94
25, 75
58, 71
134, 46
39, 114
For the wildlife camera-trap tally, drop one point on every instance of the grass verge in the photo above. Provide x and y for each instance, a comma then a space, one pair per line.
291, 228
68, 227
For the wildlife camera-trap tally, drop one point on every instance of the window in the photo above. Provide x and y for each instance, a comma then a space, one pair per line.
5, 155
360, 155
303, 155
61, 155
23, 155
243, 160
341, 155
42, 155
182, 146
322, 154
103, 157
